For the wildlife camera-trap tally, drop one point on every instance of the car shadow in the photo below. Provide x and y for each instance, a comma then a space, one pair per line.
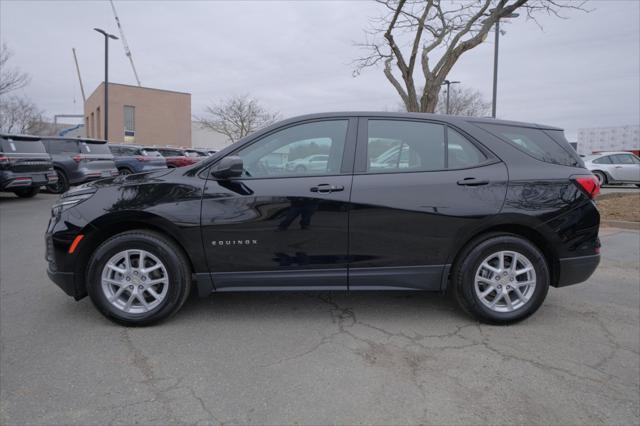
266, 306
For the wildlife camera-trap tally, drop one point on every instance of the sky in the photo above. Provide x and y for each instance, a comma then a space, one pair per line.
297, 57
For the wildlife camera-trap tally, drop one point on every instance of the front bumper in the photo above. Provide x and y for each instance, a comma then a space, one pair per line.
66, 281
574, 270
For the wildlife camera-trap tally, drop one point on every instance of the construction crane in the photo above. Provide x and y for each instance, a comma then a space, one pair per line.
127, 51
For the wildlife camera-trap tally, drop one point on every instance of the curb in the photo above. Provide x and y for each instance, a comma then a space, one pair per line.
624, 224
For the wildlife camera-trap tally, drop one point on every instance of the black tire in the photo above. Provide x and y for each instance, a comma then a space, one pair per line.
601, 176
463, 276
61, 186
27, 192
123, 171
176, 263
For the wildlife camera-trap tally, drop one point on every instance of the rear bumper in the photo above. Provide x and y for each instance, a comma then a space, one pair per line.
83, 176
574, 270
10, 181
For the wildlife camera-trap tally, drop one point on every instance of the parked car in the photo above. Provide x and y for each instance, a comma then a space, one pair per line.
496, 226
176, 157
614, 167
312, 163
78, 161
24, 165
196, 153
136, 159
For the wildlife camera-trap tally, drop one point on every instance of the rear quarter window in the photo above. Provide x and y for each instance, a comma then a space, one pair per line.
535, 142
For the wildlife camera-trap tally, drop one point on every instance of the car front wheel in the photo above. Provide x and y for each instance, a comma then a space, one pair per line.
501, 279
138, 278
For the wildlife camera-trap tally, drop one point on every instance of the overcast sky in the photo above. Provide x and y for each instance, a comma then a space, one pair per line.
296, 57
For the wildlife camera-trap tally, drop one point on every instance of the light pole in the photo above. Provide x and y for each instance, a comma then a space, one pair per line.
448, 84
107, 36
495, 62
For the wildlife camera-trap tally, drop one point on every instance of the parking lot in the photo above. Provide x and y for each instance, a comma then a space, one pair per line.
315, 358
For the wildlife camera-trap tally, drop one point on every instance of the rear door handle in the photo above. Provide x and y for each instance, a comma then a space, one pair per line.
326, 188
471, 181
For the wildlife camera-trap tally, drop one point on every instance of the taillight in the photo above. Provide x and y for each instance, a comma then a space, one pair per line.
589, 184
4, 160
78, 158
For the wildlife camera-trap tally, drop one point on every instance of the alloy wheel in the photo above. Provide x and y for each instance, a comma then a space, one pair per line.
135, 281
505, 281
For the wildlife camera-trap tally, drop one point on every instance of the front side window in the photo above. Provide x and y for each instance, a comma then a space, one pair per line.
622, 159
303, 150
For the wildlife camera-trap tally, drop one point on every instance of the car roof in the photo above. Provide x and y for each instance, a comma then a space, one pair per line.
420, 115
20, 137
85, 140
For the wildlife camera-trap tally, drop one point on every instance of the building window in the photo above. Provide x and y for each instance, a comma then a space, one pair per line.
129, 123
98, 126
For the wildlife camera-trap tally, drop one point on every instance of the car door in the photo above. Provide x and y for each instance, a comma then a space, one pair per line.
408, 212
277, 227
626, 168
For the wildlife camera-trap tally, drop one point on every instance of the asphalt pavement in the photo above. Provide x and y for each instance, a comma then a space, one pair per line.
317, 358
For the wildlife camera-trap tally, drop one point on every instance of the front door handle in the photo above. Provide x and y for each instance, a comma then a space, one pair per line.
326, 188
471, 181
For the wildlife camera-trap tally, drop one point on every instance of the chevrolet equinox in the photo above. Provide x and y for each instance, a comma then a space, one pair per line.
493, 211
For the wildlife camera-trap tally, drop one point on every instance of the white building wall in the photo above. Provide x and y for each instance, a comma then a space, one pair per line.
621, 138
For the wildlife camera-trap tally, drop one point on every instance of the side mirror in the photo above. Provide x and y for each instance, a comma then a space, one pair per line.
228, 167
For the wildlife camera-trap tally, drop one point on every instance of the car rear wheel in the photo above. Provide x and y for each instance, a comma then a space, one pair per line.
602, 178
27, 192
501, 279
138, 278
62, 185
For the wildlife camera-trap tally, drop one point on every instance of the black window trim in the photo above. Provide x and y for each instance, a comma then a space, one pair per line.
348, 153
361, 160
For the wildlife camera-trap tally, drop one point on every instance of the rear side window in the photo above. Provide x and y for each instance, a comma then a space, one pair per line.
63, 147
534, 142
21, 146
462, 153
395, 145
623, 159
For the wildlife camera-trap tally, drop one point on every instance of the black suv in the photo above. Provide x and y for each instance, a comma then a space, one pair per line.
24, 165
493, 211
78, 161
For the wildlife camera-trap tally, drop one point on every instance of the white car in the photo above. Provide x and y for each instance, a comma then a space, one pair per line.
312, 163
614, 167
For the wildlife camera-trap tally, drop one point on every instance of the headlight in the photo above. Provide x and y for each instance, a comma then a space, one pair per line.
72, 198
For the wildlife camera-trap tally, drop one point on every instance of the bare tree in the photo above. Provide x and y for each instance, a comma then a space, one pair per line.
236, 117
19, 115
464, 101
10, 78
432, 35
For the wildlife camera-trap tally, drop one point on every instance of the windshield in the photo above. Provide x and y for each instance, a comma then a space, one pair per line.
150, 153
94, 148
18, 146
